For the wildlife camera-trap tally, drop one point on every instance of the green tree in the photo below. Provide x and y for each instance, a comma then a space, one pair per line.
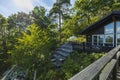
19, 21
39, 16
33, 48
3, 43
59, 12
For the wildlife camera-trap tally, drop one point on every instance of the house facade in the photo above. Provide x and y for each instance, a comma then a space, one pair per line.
105, 32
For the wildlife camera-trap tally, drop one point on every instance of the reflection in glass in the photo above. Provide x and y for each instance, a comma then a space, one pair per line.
109, 39
109, 28
118, 39
100, 38
118, 27
95, 40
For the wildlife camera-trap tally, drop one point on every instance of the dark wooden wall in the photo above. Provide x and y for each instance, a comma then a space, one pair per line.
97, 30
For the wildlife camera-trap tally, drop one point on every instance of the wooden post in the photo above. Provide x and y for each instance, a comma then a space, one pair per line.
83, 46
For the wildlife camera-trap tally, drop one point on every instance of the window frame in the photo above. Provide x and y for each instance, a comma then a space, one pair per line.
117, 32
109, 33
98, 43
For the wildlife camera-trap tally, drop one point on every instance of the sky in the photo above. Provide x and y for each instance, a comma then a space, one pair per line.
8, 7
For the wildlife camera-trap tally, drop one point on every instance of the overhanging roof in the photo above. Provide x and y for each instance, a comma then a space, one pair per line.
94, 25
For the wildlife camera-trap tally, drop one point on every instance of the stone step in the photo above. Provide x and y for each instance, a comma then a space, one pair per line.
63, 53
66, 47
57, 63
65, 50
53, 59
59, 57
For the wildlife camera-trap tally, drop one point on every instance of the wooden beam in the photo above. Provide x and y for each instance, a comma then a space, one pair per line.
114, 19
93, 70
108, 70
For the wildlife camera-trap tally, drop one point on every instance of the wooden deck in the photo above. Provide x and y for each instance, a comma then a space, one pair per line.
89, 48
105, 68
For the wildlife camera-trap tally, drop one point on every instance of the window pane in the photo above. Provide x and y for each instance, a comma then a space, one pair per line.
109, 39
95, 40
118, 27
100, 38
118, 39
109, 28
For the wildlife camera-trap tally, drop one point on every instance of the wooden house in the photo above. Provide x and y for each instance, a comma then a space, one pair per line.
105, 32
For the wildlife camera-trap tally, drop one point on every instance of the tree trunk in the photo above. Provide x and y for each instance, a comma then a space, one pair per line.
60, 23
35, 73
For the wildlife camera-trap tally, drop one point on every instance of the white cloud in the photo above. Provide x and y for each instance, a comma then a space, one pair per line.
24, 5
72, 2
44, 3
5, 11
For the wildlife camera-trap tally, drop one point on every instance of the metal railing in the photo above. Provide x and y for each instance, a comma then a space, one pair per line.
104, 68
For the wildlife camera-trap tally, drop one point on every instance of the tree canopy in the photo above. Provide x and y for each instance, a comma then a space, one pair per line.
28, 40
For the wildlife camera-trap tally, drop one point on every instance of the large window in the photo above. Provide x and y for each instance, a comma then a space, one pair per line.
100, 39
109, 29
118, 27
109, 34
118, 39
109, 39
95, 40
118, 33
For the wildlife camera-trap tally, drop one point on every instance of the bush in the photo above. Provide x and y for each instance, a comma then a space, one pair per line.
77, 62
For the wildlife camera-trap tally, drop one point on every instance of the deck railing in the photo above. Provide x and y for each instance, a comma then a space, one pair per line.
91, 48
104, 68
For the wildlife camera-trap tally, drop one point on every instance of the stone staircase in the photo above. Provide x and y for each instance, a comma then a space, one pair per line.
118, 74
61, 53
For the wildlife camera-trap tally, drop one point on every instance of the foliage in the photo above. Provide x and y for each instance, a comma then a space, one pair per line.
58, 13
72, 65
19, 21
85, 13
79, 39
3, 44
39, 17
77, 62
31, 49
33, 44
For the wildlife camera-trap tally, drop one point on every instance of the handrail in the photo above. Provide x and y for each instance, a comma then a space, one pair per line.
93, 71
107, 70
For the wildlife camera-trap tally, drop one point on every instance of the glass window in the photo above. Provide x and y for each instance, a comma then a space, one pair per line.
118, 27
109, 39
118, 39
109, 28
100, 39
95, 40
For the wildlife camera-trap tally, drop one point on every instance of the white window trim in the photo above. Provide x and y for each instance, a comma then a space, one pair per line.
97, 39
104, 38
